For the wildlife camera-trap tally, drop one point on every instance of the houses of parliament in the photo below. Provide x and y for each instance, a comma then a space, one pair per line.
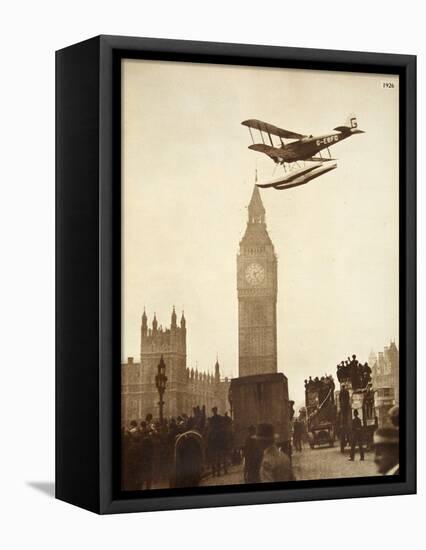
257, 337
186, 388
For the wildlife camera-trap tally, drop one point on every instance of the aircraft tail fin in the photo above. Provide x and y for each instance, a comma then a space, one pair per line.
351, 126
351, 121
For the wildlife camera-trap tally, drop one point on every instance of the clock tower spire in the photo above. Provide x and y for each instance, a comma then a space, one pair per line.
257, 294
256, 210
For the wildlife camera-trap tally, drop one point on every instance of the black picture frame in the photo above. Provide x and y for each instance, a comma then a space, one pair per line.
88, 272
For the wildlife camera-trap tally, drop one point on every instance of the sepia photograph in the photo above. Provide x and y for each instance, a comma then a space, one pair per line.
260, 276
211, 248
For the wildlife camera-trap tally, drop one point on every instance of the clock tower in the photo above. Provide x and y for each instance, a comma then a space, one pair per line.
257, 295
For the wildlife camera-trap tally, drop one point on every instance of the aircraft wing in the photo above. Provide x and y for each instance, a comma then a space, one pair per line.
271, 129
272, 152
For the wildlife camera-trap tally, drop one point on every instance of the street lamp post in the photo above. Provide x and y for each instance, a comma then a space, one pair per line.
160, 382
230, 400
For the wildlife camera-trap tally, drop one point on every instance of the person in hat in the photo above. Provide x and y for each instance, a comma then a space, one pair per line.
344, 398
216, 438
297, 434
386, 447
146, 456
275, 465
356, 438
253, 455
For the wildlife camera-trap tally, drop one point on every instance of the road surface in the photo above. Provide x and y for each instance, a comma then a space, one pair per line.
318, 463
330, 463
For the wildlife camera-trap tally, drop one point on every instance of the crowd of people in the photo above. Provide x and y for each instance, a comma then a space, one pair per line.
316, 383
351, 370
149, 448
323, 386
180, 451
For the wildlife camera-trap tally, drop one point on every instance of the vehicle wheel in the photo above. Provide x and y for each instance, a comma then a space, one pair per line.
311, 445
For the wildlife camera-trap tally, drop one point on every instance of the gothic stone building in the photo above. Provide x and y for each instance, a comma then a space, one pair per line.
185, 387
385, 369
257, 295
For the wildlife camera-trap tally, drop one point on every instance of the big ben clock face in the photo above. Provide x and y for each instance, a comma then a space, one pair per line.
255, 274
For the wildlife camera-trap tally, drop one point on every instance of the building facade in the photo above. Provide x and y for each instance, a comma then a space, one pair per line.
186, 388
385, 380
257, 295
385, 369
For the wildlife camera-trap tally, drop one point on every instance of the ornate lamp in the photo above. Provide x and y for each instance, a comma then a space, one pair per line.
160, 382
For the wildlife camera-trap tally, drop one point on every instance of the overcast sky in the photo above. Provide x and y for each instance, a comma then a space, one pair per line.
187, 180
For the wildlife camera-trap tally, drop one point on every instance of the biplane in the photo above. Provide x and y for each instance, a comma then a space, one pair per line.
294, 147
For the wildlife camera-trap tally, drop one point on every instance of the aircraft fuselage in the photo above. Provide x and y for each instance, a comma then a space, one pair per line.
308, 147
